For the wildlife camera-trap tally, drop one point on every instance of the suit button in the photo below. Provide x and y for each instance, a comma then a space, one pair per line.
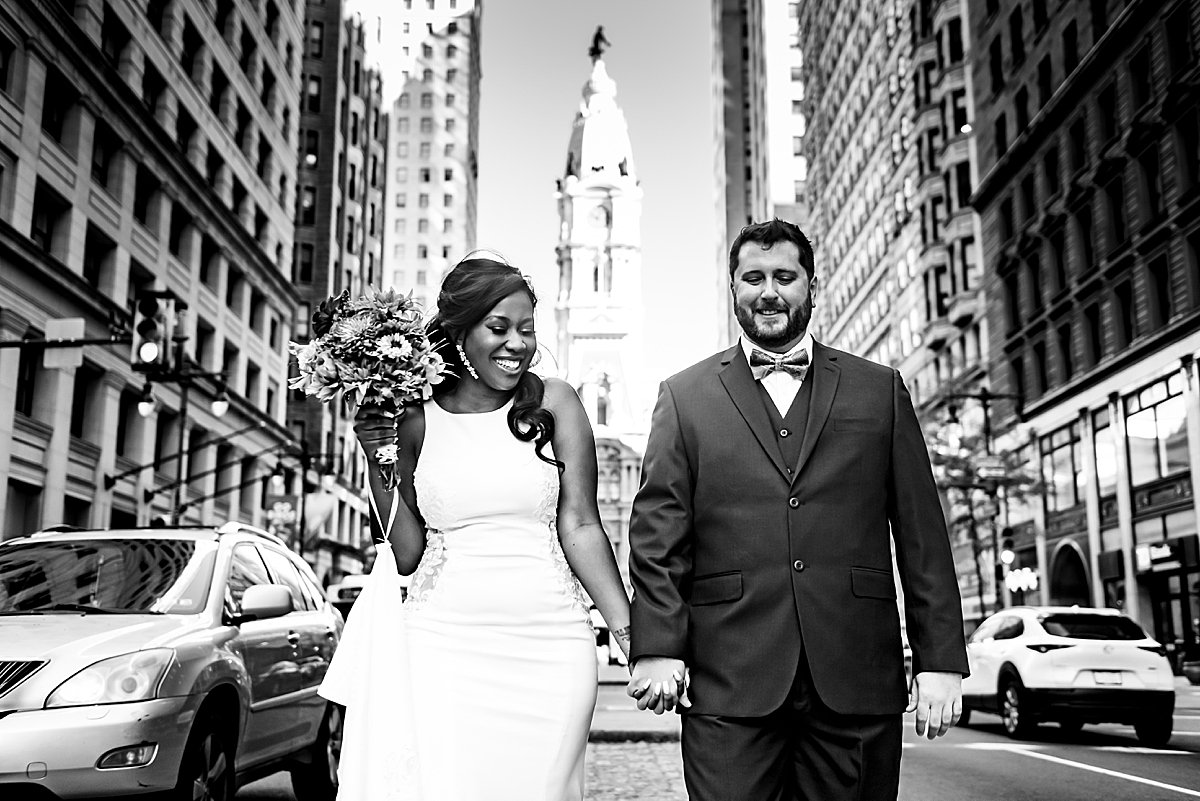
794, 503
783, 432
798, 565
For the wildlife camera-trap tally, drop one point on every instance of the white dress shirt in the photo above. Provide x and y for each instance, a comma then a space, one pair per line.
781, 385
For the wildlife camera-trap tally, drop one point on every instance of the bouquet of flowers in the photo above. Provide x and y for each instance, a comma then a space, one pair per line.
373, 351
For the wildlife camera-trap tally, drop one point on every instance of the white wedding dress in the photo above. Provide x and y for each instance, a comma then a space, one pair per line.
481, 686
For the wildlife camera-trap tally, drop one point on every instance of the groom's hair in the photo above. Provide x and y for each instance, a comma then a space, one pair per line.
766, 234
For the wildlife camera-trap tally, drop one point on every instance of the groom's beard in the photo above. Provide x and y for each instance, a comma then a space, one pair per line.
797, 322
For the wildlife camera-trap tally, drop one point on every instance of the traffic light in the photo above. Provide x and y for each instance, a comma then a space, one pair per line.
153, 326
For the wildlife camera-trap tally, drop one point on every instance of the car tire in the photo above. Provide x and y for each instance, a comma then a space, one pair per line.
1014, 709
965, 718
316, 779
1071, 726
1154, 731
206, 770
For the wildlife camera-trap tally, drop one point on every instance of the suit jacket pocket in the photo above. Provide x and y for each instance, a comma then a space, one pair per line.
857, 424
717, 588
868, 582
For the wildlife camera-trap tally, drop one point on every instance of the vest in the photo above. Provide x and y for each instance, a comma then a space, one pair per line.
789, 429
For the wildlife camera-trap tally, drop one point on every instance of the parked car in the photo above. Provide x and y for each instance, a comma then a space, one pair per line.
344, 593
184, 661
1072, 665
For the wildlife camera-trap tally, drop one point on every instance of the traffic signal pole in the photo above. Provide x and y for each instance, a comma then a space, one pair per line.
184, 386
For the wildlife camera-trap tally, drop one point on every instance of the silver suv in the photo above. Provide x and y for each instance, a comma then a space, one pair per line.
183, 661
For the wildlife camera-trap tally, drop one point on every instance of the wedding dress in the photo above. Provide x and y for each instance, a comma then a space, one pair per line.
481, 686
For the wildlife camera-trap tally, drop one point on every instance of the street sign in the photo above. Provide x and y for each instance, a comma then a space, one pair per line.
60, 358
990, 467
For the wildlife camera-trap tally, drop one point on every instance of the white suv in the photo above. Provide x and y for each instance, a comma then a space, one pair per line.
1071, 665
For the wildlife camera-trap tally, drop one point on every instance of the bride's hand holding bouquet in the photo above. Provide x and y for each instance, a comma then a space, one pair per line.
372, 351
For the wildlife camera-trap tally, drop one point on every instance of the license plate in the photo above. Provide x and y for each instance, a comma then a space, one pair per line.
1107, 676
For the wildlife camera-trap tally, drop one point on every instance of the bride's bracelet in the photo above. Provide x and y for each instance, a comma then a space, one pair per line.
621, 633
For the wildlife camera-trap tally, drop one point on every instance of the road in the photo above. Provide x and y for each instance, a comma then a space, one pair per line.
978, 762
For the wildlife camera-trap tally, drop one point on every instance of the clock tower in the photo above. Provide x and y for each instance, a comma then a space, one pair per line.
599, 303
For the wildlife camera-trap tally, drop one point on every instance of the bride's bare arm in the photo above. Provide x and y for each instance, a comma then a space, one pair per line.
582, 536
407, 535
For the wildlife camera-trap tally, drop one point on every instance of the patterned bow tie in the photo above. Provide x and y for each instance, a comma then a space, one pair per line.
762, 364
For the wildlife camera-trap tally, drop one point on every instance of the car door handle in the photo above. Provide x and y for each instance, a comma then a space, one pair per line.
293, 637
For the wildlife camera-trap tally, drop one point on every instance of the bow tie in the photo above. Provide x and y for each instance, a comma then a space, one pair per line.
762, 364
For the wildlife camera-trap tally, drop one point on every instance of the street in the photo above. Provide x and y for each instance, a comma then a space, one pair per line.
977, 762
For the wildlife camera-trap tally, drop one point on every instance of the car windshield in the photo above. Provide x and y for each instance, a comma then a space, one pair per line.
106, 576
1083, 626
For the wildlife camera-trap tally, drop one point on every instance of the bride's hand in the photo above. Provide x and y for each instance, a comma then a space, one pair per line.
376, 428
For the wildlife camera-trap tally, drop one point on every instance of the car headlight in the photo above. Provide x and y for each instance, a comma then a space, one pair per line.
129, 677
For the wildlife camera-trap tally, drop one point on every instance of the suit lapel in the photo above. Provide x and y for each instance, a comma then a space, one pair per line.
826, 373
742, 389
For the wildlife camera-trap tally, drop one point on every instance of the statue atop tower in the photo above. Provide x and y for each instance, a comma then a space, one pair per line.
599, 42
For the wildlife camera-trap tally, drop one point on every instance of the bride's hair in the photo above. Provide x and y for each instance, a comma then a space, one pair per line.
469, 292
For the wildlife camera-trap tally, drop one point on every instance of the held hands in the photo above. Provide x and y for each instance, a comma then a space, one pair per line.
659, 683
376, 428
937, 700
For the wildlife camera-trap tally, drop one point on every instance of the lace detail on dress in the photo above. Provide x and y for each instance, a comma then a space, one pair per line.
428, 570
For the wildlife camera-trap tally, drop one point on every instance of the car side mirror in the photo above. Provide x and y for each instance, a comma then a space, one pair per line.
264, 601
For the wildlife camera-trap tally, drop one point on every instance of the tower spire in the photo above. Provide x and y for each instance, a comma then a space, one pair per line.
599, 42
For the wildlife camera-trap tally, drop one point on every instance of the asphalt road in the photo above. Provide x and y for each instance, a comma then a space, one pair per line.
978, 762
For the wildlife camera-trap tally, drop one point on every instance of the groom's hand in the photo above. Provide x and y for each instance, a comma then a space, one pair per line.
937, 700
659, 683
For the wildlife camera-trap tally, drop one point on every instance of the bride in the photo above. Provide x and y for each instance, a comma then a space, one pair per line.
481, 686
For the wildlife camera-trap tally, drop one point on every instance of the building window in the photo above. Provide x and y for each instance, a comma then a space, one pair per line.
145, 186
422, 253
304, 263
1106, 105
451, 124
1114, 192
1070, 47
402, 127
1021, 109
448, 174
1141, 78
448, 150
1158, 291
1001, 134
114, 38
98, 251
451, 75
1123, 310
1156, 427
401, 200
423, 150
1040, 18
1099, 18
312, 148
49, 214
447, 200
316, 39
1062, 467
1152, 189
423, 201
308, 205
1083, 230
1178, 30
422, 226
1016, 32
425, 174
426, 125
58, 103
1077, 136
450, 100
313, 96
1045, 82
104, 149
1050, 170
1095, 337
404, 101
427, 100
954, 41
996, 64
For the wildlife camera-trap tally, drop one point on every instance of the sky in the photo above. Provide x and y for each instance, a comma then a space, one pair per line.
535, 64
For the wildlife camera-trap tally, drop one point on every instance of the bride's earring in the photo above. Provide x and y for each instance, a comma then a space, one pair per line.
462, 354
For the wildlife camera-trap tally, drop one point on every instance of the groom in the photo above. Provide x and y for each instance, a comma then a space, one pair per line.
778, 476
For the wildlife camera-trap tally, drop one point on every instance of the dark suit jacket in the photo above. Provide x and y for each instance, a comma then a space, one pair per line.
741, 569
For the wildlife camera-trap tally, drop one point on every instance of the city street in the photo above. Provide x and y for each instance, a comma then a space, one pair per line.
978, 762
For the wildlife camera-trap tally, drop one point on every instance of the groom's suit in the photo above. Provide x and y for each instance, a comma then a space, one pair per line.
761, 543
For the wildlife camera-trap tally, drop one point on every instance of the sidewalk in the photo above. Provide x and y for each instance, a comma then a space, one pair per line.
1187, 696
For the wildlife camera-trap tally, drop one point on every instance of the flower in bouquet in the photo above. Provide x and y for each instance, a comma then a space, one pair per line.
372, 351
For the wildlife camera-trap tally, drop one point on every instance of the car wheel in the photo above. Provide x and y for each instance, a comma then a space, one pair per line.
965, 718
1154, 731
206, 770
1014, 709
316, 779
